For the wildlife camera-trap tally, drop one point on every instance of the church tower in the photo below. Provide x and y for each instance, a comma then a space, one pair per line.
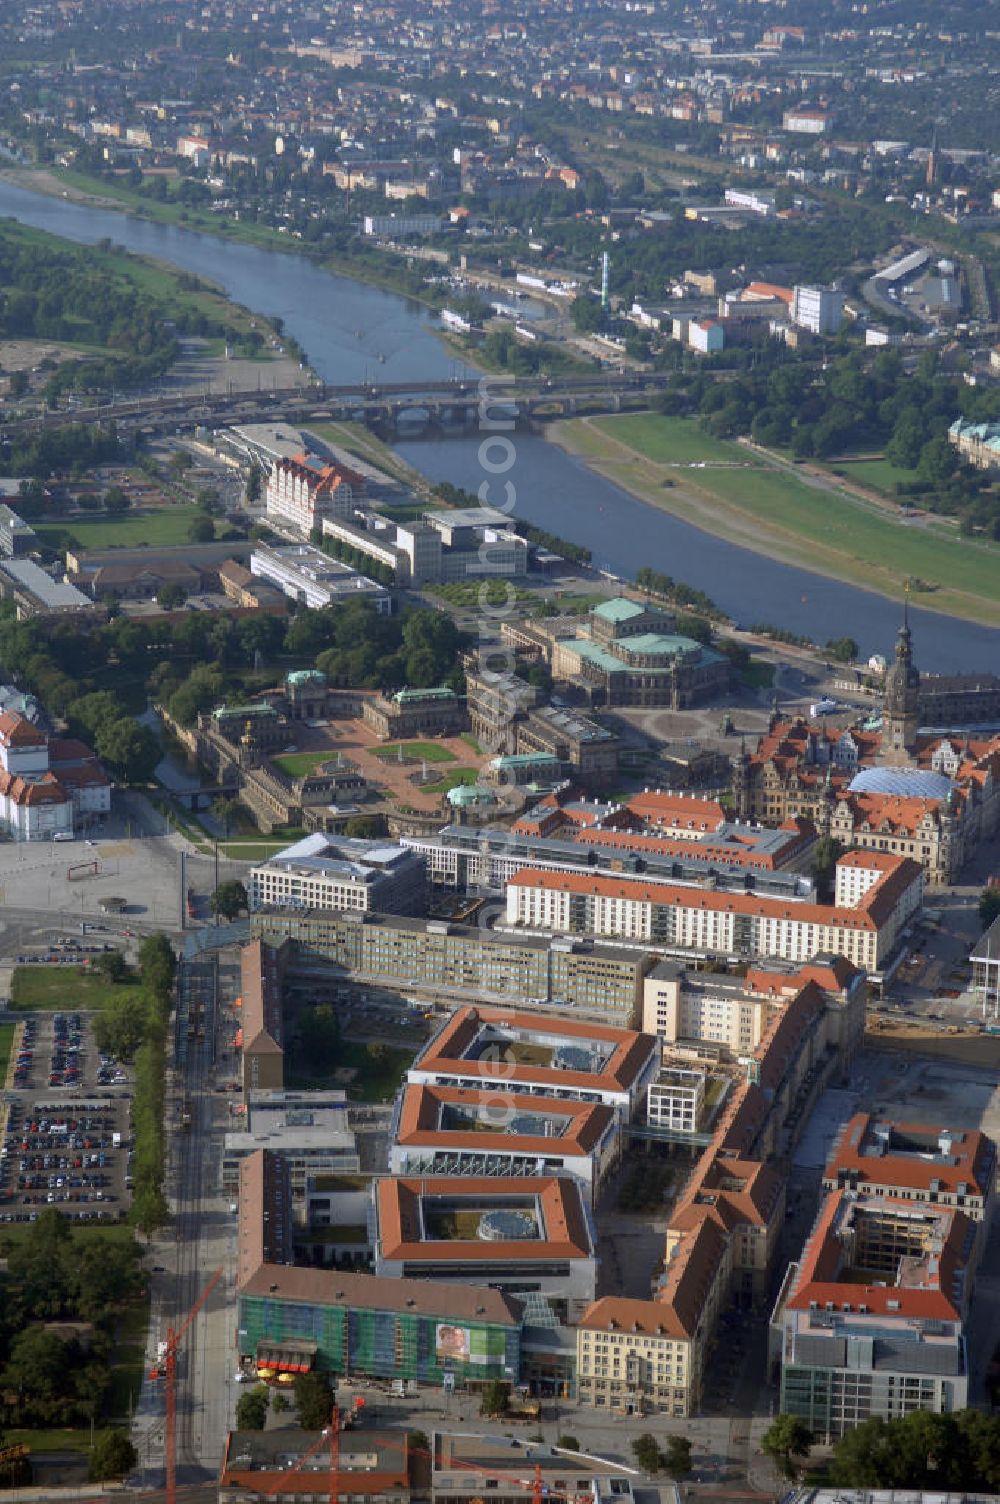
901, 704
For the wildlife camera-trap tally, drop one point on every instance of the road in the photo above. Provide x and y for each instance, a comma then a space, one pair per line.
200, 1240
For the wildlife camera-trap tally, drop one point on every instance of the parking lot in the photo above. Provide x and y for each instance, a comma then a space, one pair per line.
66, 1124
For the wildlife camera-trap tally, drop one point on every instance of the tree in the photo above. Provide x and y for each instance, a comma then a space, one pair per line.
112, 965
989, 906
149, 1211
253, 485
111, 1456
251, 1409
786, 1438
170, 595
568, 1443
224, 810
229, 899
646, 1451
201, 529
495, 1398
120, 1027
115, 501
313, 1400
677, 1457
132, 750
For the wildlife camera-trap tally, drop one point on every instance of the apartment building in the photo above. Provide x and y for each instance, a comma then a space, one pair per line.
264, 1235
820, 310
708, 922
262, 1032
445, 962
308, 1130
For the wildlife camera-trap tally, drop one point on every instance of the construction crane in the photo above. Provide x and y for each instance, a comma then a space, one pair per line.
169, 1371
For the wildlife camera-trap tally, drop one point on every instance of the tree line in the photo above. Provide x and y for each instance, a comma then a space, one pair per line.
954, 1452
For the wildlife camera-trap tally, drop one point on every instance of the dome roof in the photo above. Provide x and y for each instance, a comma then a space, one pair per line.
464, 795
905, 783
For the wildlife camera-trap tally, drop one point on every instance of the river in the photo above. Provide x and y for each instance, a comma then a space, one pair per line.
354, 333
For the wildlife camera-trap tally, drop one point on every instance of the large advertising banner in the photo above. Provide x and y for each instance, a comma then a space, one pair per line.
452, 1342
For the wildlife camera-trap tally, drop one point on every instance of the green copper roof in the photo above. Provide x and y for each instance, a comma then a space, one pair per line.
618, 610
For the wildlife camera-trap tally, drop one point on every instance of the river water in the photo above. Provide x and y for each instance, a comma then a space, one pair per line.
354, 333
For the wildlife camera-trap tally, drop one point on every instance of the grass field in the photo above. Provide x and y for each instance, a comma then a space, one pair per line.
416, 752
47, 1441
98, 1232
773, 510
881, 475
129, 1365
451, 780
669, 441
51, 989
472, 592
375, 1080
470, 741
6, 1045
158, 527
298, 764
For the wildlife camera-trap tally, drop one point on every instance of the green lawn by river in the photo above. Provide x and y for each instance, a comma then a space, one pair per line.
733, 492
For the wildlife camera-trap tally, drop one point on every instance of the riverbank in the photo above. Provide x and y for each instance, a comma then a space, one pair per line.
95, 193
734, 494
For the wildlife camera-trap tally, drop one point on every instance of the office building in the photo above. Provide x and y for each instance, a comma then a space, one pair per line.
447, 1130
16, 536
870, 1322
531, 1237
820, 310
309, 1130
307, 575
503, 1469
486, 1048
951, 1167
291, 1466
368, 1325
676, 1100
337, 872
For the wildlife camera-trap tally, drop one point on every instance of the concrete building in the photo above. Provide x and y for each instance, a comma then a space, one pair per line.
985, 960
335, 872
445, 1130
478, 542
308, 1130
949, 1167
287, 1464
305, 489
308, 575
676, 1100
401, 226
532, 1237
444, 962
362, 1324
870, 1322
820, 310
679, 920
17, 538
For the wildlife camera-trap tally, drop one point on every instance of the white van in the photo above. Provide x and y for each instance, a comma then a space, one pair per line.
64, 835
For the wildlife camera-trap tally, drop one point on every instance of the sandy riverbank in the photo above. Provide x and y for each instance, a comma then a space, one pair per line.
675, 490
